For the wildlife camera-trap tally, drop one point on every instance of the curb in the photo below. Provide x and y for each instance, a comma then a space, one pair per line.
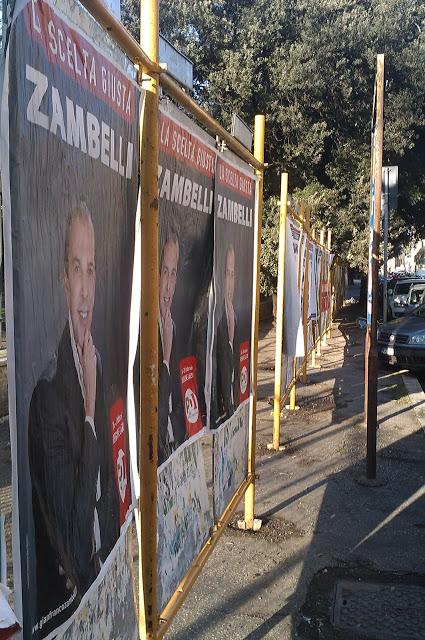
416, 397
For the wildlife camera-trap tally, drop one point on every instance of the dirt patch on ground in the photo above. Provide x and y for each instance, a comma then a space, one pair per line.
273, 530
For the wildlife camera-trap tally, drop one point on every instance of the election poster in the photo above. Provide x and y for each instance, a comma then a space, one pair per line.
70, 157
184, 516
234, 216
293, 344
312, 290
187, 161
325, 290
186, 237
234, 210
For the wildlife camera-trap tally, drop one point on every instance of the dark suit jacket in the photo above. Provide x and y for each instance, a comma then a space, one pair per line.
64, 458
169, 385
227, 366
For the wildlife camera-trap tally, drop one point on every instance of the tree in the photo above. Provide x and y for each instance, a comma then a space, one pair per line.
310, 68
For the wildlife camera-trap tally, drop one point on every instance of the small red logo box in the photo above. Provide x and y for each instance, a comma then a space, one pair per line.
119, 454
192, 413
244, 371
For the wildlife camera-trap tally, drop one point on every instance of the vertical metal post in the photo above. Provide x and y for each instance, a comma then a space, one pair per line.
279, 310
306, 297
371, 355
386, 213
148, 448
259, 133
330, 288
293, 392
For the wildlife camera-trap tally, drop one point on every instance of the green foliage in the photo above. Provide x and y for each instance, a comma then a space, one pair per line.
310, 67
269, 246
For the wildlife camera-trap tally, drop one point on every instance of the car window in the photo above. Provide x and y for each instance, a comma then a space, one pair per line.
416, 295
402, 287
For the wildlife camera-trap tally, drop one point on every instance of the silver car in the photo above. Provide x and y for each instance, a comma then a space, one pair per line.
402, 341
399, 301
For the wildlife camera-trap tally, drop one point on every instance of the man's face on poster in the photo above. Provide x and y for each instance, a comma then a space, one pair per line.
168, 276
80, 277
229, 276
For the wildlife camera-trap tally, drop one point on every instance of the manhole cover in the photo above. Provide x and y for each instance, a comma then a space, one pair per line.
380, 611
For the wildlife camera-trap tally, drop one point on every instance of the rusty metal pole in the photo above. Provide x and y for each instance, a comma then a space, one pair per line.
371, 354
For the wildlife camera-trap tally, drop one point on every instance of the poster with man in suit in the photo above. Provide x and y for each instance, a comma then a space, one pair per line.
70, 134
233, 289
234, 232
186, 235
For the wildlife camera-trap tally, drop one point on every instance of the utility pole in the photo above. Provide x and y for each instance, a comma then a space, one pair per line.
371, 354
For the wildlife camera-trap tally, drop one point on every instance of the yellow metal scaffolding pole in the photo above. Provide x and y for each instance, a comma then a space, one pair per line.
306, 291
249, 521
148, 447
280, 310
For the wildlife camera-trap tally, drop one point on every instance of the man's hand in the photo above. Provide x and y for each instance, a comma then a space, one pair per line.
167, 336
231, 321
88, 364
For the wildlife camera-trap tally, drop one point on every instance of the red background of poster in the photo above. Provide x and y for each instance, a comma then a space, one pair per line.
244, 371
119, 455
192, 414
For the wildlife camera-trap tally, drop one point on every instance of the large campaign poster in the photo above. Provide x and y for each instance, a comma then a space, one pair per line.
325, 290
293, 339
187, 161
234, 215
186, 238
70, 155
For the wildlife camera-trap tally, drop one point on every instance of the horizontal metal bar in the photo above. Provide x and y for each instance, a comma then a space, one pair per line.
122, 37
185, 585
133, 50
174, 90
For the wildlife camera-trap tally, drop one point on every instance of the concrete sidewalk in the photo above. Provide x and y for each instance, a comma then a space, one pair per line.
320, 524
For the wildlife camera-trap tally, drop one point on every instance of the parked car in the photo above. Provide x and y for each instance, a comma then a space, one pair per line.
416, 297
402, 341
399, 300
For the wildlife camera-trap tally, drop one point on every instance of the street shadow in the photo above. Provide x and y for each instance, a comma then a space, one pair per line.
360, 530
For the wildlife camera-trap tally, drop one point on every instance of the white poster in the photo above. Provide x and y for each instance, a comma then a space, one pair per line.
230, 457
184, 516
293, 331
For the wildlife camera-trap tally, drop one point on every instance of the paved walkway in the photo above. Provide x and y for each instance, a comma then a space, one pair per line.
318, 518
